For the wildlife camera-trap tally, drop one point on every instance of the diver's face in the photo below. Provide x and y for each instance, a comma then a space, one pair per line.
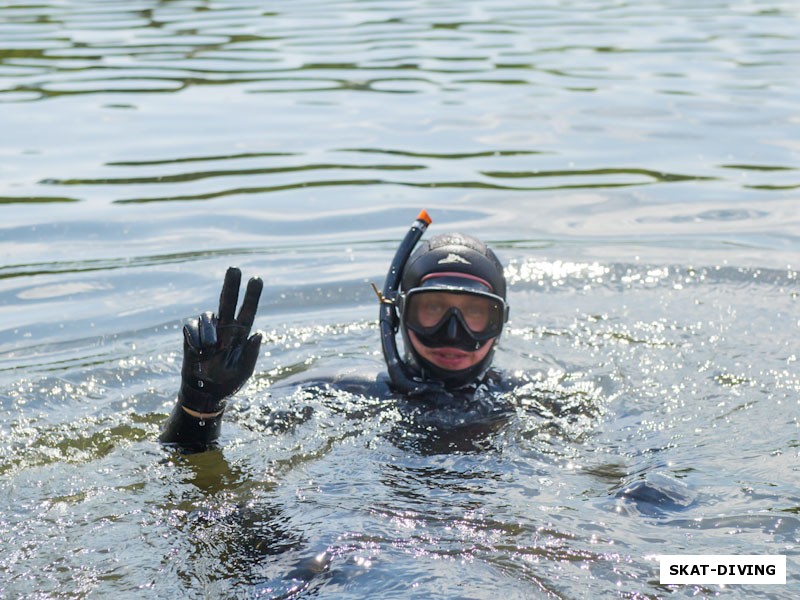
450, 359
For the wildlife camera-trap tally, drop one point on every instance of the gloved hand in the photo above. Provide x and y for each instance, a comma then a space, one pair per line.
218, 357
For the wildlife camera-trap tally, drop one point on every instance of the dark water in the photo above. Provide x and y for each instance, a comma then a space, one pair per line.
636, 167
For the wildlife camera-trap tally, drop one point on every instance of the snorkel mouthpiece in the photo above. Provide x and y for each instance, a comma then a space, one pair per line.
389, 319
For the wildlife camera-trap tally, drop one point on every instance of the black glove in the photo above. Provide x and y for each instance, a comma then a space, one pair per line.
218, 357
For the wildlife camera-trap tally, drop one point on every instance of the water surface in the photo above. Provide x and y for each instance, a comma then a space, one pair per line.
634, 164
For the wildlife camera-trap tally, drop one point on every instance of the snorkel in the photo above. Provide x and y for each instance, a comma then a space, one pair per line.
389, 320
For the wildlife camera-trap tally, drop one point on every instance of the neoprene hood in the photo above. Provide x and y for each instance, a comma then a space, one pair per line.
462, 263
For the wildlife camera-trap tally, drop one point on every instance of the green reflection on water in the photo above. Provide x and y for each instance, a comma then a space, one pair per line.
35, 199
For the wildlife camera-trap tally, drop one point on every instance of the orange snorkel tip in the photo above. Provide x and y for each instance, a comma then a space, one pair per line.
424, 217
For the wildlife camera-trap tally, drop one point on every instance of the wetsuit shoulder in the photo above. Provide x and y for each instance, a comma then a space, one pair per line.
501, 381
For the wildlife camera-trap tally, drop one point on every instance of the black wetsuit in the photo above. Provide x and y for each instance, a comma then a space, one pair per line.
482, 403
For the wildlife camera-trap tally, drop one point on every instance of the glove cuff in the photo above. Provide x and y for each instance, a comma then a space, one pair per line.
200, 401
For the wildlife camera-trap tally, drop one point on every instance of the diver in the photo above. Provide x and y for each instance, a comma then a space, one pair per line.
446, 297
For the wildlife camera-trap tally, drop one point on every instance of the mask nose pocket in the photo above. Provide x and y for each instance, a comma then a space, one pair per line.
452, 327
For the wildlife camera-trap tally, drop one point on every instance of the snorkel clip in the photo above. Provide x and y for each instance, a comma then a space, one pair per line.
381, 298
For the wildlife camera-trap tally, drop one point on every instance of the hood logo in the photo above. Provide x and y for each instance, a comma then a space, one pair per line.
454, 258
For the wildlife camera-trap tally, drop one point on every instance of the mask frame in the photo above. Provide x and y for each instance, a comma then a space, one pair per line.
453, 328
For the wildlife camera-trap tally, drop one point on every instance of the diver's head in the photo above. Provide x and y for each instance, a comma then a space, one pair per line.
452, 308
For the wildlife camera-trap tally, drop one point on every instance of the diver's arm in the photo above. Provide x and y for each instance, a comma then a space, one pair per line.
189, 431
218, 358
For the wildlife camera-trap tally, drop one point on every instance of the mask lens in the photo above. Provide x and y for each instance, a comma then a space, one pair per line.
482, 314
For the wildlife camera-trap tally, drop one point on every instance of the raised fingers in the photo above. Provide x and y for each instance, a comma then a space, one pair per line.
229, 295
247, 313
